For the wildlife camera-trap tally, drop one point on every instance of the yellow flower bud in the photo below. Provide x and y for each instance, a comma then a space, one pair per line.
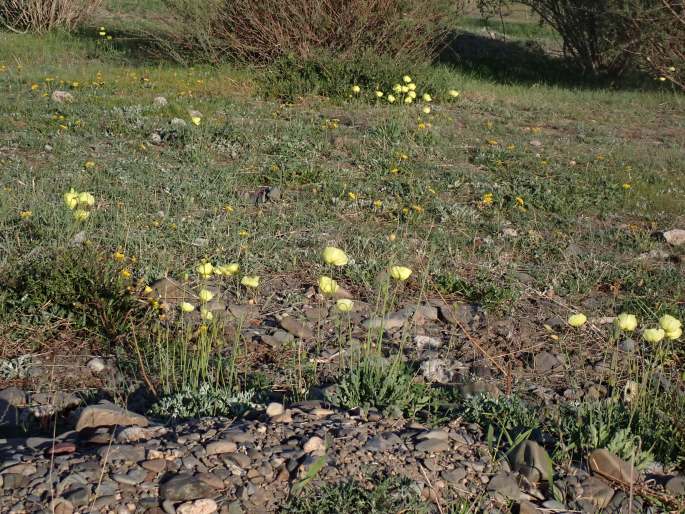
186, 307
400, 273
334, 256
328, 285
251, 281
669, 323
206, 295
577, 320
344, 305
196, 120
205, 269
653, 335
627, 322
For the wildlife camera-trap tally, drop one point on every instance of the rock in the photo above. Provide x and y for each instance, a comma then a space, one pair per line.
437, 370
545, 361
12, 396
170, 291
154, 465
185, 487
274, 409
123, 452
676, 485
61, 506
454, 476
243, 312
62, 97
61, 448
20, 469
422, 342
203, 506
458, 314
504, 485
219, 447
597, 492
432, 446
314, 445
160, 101
96, 365
675, 237
133, 434
529, 456
155, 138
474, 388
78, 496
608, 465
14, 481
107, 414
388, 323
296, 328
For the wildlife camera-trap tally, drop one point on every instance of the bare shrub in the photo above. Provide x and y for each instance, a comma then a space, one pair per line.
44, 15
269, 29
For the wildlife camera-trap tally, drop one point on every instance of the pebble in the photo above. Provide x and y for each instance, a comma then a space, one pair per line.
275, 409
202, 506
219, 447
608, 465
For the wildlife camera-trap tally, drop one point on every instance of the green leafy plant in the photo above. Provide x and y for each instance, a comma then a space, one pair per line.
390, 494
206, 400
384, 385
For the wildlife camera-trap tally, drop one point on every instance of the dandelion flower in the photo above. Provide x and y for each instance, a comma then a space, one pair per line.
626, 322
391, 99
400, 273
118, 256
89, 165
205, 295
196, 120
71, 199
327, 285
186, 307
250, 281
206, 314
427, 98
577, 320
653, 335
81, 215
243, 233
344, 305
126, 273
453, 93
334, 256
379, 94
25, 214
377, 204
669, 323
205, 269
406, 79
356, 89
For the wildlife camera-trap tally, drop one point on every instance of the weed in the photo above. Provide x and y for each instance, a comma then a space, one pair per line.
387, 386
391, 494
207, 400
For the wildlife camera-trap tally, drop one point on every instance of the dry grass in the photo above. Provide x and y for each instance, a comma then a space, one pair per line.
45, 15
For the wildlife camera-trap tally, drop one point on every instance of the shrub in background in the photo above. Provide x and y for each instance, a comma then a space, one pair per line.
45, 15
271, 29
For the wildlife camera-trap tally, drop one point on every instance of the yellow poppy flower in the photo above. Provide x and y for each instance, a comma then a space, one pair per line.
81, 215
327, 285
251, 281
653, 335
344, 305
356, 89
205, 295
626, 322
205, 269
71, 198
400, 273
669, 323
577, 320
86, 199
334, 256
206, 315
227, 270
186, 307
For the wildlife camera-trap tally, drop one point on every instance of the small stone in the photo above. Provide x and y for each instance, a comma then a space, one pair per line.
122, 452
676, 485
219, 447
12, 396
437, 370
21, 469
545, 361
107, 414
61, 506
422, 342
203, 506
61, 97
608, 465
185, 487
454, 476
155, 465
432, 446
525, 507
675, 237
597, 492
321, 413
134, 434
78, 497
504, 485
62, 448
530, 454
475, 388
96, 365
314, 445
296, 328
274, 409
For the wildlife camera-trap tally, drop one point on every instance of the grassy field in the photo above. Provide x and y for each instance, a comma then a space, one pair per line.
531, 199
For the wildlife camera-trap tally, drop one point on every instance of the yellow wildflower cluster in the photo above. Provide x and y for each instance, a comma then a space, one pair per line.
80, 203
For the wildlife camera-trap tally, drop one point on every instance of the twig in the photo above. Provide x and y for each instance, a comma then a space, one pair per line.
141, 364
